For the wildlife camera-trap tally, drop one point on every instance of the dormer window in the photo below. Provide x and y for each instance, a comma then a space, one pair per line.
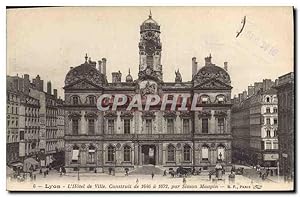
75, 100
91, 100
268, 99
204, 99
220, 99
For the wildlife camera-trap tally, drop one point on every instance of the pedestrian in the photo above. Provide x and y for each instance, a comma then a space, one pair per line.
152, 175
60, 171
184, 181
165, 173
137, 181
41, 171
209, 176
34, 177
45, 174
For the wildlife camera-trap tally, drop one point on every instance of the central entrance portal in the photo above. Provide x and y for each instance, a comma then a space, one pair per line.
148, 152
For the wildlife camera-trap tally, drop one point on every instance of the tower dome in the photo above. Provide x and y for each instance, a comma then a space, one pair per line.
150, 25
129, 77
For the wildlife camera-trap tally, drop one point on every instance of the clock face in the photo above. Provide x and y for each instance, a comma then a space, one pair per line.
150, 48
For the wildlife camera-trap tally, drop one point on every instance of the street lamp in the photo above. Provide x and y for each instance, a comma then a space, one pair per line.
78, 162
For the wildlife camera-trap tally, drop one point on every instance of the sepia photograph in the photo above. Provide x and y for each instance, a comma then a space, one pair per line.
150, 98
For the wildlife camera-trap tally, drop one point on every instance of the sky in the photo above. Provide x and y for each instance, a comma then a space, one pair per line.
48, 41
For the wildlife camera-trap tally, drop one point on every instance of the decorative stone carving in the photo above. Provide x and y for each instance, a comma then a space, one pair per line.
220, 113
170, 114
148, 114
204, 114
148, 89
110, 114
74, 115
185, 114
90, 115
178, 78
126, 114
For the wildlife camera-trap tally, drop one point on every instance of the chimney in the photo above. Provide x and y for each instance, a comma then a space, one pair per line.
250, 90
99, 66
104, 65
26, 83
226, 66
194, 66
240, 97
49, 87
267, 84
208, 60
257, 86
55, 93
116, 77
244, 94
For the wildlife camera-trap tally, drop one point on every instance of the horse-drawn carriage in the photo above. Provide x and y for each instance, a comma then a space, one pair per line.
180, 172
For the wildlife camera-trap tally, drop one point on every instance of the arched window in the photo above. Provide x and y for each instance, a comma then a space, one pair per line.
171, 153
110, 153
127, 153
91, 124
204, 153
268, 110
268, 99
92, 152
204, 99
221, 99
268, 133
221, 153
186, 153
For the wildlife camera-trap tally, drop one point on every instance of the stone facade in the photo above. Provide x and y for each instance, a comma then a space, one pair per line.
286, 129
121, 139
32, 122
254, 126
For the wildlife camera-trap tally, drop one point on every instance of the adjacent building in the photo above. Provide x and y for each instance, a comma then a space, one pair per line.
30, 113
286, 128
122, 139
255, 125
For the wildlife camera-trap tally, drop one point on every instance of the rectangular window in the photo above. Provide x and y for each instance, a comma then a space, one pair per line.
275, 145
75, 155
111, 126
221, 124
21, 135
126, 126
149, 126
170, 126
186, 126
91, 126
275, 121
268, 121
275, 110
268, 110
187, 154
204, 153
268, 145
149, 60
91, 156
204, 125
75, 126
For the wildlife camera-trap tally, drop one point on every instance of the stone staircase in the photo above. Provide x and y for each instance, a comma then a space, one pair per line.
147, 170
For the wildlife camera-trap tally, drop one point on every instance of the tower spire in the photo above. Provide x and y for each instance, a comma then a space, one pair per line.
150, 14
86, 57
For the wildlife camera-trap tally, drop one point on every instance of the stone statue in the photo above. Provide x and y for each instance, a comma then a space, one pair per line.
178, 78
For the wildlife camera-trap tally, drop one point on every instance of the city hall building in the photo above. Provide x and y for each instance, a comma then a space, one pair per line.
120, 139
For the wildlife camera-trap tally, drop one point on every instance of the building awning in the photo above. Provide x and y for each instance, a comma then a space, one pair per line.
9, 171
17, 164
31, 161
75, 155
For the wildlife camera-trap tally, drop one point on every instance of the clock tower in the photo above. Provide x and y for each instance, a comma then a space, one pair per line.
150, 51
